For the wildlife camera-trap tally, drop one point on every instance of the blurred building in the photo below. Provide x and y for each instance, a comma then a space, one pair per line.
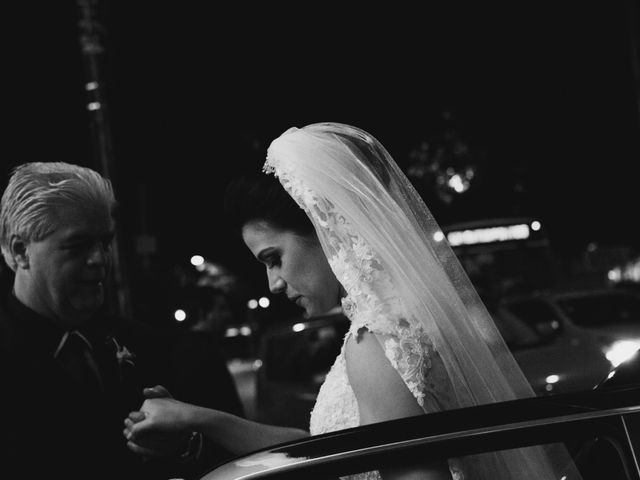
503, 255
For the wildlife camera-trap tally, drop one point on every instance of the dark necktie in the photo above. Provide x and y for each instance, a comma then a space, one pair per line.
75, 355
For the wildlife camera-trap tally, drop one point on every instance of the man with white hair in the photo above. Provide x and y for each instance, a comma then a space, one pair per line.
67, 370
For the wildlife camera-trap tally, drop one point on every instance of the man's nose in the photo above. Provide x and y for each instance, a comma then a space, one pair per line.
97, 255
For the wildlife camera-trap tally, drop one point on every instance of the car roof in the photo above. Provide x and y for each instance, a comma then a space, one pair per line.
470, 430
568, 293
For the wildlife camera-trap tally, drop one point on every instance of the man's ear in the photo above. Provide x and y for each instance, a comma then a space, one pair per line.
18, 250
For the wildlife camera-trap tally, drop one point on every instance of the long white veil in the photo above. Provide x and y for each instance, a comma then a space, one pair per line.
389, 253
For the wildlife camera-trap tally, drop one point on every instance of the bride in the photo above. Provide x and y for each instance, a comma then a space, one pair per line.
336, 222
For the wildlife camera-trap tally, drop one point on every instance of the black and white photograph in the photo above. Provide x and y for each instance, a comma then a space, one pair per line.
320, 241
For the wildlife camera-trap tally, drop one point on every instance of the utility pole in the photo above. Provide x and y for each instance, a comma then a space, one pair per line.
633, 19
90, 33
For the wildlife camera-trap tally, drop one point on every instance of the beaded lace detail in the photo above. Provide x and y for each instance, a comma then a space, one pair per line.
371, 304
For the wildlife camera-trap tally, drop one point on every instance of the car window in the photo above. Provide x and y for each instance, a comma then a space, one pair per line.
538, 315
516, 333
593, 457
601, 310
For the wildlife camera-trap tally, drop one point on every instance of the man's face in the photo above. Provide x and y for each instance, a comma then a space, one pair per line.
67, 271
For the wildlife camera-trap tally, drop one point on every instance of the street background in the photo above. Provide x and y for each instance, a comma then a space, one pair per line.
540, 100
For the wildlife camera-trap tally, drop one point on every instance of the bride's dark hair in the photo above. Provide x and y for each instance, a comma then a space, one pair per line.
261, 197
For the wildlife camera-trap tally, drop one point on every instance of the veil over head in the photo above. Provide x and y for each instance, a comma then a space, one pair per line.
395, 264
387, 251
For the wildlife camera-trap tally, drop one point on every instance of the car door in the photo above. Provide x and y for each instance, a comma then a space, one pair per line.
554, 356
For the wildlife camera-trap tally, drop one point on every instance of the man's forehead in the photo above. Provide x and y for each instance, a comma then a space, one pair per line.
79, 212
84, 220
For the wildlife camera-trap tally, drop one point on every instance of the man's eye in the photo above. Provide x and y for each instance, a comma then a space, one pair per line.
77, 246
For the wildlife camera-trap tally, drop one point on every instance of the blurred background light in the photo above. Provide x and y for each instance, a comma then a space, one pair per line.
552, 379
197, 260
180, 315
622, 351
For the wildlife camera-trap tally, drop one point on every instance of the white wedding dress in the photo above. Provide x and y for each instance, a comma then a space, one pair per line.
412, 355
403, 284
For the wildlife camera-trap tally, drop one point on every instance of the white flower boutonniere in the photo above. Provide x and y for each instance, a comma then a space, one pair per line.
124, 356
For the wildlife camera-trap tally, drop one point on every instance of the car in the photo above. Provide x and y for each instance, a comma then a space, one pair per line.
293, 360
569, 340
600, 429
563, 341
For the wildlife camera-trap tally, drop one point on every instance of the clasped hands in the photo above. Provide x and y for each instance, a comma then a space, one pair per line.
160, 428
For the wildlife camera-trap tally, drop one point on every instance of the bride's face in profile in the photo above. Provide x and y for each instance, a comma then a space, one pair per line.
296, 266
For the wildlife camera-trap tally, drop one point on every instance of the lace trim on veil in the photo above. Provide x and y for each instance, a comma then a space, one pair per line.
354, 263
381, 254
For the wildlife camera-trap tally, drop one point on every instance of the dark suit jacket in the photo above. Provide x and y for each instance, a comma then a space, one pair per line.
53, 427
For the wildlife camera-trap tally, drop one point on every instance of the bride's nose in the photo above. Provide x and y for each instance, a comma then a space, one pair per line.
276, 283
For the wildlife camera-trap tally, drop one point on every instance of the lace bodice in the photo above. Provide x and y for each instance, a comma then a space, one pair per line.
411, 354
372, 303
414, 358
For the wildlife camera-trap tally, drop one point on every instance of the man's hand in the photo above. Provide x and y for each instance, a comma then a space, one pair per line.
159, 428
156, 392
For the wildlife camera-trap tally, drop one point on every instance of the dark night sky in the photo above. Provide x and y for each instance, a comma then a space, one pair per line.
544, 90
